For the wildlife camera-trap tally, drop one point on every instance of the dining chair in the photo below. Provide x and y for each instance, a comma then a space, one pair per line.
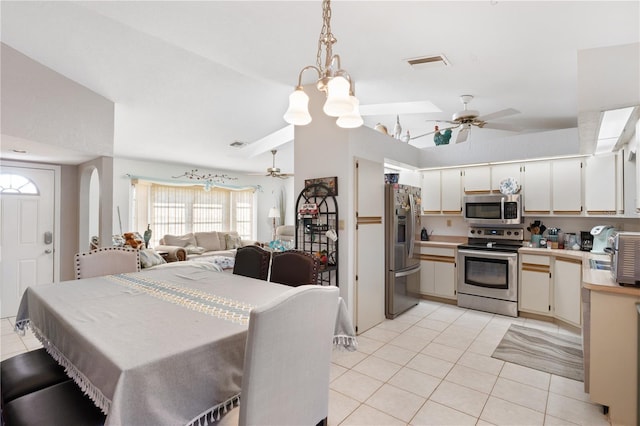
294, 268
63, 404
107, 261
252, 261
29, 372
287, 360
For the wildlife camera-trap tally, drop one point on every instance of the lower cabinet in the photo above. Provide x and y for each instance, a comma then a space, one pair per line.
438, 272
567, 282
535, 284
551, 286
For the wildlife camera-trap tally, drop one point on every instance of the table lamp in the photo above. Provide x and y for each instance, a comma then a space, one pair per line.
274, 214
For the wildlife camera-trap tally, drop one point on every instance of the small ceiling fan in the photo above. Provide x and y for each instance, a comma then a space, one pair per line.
463, 120
274, 171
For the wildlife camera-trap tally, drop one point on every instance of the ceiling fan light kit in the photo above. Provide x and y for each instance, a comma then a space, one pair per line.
332, 79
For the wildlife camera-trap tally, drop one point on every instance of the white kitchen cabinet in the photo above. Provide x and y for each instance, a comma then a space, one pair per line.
499, 172
614, 355
477, 180
431, 192
451, 191
567, 281
438, 272
535, 284
566, 186
536, 183
601, 185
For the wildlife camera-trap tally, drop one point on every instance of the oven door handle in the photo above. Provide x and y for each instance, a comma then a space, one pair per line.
490, 254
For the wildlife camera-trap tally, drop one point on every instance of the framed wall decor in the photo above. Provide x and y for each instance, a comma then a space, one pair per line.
329, 182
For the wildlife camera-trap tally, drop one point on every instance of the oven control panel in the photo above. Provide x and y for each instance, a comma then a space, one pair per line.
514, 234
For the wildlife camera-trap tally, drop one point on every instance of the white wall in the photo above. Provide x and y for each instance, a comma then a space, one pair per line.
165, 171
517, 147
41, 105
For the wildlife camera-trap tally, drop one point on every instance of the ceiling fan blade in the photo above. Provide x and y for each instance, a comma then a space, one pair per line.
433, 131
501, 126
463, 134
498, 114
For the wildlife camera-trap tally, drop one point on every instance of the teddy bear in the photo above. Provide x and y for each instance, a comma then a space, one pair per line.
131, 241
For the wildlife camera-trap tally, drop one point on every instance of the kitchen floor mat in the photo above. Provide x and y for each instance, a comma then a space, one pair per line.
553, 353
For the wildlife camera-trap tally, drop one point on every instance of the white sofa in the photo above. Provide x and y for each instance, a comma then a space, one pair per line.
197, 245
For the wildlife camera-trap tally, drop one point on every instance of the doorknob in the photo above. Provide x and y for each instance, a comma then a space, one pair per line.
48, 251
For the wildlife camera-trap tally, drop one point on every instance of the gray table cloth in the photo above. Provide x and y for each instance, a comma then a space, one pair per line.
158, 347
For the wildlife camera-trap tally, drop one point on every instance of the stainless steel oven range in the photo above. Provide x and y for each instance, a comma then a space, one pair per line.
488, 270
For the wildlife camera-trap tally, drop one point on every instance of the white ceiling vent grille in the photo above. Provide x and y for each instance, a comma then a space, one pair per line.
430, 61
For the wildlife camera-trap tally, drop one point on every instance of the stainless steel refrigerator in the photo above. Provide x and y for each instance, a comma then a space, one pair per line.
402, 266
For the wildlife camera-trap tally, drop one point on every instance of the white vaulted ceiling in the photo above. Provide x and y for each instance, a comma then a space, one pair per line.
189, 78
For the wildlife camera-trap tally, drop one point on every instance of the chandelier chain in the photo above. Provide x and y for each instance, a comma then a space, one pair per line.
326, 38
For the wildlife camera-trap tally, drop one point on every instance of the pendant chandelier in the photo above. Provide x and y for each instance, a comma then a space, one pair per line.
335, 82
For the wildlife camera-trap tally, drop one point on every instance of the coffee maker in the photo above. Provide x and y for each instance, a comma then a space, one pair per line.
601, 234
586, 241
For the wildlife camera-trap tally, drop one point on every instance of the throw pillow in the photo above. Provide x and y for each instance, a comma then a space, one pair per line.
194, 249
180, 240
149, 258
233, 241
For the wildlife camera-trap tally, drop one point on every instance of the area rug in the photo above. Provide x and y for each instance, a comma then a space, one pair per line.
541, 350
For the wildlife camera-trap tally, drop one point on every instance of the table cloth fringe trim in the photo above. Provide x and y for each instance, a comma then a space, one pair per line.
81, 380
213, 414
343, 341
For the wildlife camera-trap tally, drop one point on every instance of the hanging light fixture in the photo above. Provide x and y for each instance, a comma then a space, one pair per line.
333, 80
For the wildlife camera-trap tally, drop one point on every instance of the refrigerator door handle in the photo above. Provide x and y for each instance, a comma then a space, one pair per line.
409, 272
412, 218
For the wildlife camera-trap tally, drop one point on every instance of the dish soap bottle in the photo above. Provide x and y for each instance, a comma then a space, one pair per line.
424, 235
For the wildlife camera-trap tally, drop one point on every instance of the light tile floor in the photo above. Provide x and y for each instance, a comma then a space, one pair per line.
432, 366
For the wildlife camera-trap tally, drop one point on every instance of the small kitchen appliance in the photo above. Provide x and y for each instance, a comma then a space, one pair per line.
493, 209
601, 234
625, 258
586, 241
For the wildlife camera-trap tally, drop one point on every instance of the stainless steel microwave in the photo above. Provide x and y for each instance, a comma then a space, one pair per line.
493, 209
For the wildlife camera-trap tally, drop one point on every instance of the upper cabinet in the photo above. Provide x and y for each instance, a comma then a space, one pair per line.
536, 185
441, 192
553, 187
566, 186
603, 178
477, 180
430, 193
451, 191
499, 172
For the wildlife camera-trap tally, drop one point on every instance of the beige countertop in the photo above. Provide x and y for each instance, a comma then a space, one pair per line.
443, 241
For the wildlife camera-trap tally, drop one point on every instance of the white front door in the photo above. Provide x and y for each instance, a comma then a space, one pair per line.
370, 272
27, 215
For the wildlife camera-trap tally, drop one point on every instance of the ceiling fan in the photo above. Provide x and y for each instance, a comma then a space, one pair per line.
463, 120
274, 171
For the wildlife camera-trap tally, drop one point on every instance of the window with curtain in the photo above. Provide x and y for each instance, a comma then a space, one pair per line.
178, 210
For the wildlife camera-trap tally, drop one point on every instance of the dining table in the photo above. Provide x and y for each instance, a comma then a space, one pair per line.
163, 346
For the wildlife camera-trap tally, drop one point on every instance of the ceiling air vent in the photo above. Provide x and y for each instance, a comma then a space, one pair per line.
428, 61
237, 144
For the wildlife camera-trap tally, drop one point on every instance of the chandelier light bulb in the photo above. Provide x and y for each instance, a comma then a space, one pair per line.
298, 112
353, 119
338, 102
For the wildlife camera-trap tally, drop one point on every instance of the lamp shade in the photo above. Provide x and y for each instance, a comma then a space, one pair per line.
338, 102
274, 213
352, 119
298, 112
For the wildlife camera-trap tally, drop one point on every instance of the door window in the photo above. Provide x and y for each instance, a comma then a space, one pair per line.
16, 184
